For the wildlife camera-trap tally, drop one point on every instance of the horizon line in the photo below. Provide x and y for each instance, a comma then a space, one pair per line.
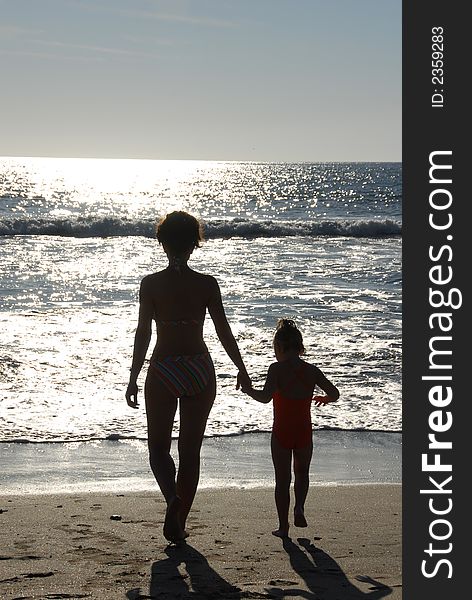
216, 160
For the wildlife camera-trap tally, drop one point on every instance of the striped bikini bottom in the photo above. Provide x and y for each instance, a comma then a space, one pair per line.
184, 375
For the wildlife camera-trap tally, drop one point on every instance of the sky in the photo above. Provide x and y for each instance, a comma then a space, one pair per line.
263, 80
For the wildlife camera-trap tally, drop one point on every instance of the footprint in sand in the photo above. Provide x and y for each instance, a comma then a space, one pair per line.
223, 543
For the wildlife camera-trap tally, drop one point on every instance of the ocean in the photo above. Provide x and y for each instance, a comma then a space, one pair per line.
316, 242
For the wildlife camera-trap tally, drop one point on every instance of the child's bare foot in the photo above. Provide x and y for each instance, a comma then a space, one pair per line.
299, 518
281, 532
172, 530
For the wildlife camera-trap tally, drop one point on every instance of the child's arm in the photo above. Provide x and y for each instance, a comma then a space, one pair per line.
264, 395
331, 391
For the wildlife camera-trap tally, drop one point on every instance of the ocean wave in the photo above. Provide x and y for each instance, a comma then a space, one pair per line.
116, 437
84, 227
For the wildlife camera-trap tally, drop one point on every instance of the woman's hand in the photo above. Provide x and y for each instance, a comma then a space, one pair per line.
132, 394
243, 381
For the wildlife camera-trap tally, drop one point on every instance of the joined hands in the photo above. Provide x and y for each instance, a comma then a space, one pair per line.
243, 382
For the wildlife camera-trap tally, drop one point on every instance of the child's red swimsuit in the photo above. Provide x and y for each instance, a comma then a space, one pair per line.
292, 420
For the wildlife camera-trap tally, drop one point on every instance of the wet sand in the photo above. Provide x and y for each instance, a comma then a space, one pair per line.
347, 457
110, 546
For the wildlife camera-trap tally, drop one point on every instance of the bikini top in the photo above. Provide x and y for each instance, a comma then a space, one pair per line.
175, 322
180, 322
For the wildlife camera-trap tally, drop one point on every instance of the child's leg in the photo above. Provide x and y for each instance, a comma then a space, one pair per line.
301, 467
282, 459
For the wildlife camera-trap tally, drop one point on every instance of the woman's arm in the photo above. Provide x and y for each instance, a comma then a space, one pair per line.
225, 335
142, 339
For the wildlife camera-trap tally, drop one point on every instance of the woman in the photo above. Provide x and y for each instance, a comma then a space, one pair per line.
180, 367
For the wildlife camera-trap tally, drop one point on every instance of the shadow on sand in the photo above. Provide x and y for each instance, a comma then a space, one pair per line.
195, 579
323, 577
186, 573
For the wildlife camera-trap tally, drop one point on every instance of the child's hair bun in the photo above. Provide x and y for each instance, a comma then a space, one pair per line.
286, 323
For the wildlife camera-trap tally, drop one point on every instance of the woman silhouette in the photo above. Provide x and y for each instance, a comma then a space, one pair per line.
180, 367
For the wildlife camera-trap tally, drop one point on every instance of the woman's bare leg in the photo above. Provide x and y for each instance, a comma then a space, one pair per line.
194, 411
301, 468
160, 412
282, 459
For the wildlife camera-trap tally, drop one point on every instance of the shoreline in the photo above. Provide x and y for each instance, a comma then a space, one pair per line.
339, 458
110, 546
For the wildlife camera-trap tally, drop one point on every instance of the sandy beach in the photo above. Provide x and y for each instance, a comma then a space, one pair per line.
110, 546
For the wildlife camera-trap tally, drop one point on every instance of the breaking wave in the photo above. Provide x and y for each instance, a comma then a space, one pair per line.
122, 227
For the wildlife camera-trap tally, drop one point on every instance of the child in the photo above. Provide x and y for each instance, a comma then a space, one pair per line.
291, 382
